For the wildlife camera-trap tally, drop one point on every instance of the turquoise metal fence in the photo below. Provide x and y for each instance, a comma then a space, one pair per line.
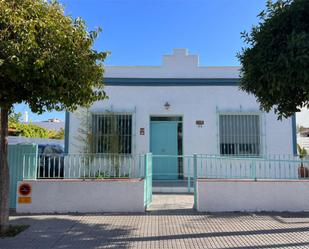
133, 166
148, 180
267, 167
16, 166
190, 168
232, 167
195, 180
89, 166
85, 166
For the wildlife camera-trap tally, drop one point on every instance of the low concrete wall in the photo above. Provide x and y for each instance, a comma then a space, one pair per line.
61, 196
248, 195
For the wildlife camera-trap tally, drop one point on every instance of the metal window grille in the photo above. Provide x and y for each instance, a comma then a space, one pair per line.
240, 134
112, 133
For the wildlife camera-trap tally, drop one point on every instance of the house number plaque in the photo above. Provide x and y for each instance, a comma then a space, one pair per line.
199, 123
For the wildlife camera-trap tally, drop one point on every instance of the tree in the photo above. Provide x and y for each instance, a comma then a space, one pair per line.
275, 63
25, 130
14, 118
302, 153
84, 132
56, 134
46, 61
32, 130
91, 139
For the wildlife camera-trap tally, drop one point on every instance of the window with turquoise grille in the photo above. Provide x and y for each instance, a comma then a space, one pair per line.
112, 133
240, 134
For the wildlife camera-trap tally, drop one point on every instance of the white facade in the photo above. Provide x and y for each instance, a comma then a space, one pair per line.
194, 93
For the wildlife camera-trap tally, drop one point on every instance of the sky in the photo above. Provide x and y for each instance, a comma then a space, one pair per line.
139, 32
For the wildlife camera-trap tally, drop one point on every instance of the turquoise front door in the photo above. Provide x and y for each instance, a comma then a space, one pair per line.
164, 144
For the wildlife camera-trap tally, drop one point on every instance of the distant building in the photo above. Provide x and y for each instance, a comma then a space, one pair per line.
304, 132
51, 124
54, 120
303, 138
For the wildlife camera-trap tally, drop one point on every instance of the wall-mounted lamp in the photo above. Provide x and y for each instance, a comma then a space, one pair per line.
167, 105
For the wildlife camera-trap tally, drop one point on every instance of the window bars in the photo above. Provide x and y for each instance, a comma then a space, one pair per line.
112, 133
240, 134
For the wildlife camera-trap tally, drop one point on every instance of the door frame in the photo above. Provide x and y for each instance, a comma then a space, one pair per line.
182, 128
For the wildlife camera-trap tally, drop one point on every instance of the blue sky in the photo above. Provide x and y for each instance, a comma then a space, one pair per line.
139, 32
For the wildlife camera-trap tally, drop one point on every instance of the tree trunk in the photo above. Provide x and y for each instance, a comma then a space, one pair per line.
4, 172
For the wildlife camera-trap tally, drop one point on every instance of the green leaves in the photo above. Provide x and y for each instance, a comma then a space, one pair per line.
29, 130
302, 152
39, 63
275, 65
56, 134
47, 58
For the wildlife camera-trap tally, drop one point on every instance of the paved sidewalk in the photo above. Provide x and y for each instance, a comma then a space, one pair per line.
172, 202
178, 228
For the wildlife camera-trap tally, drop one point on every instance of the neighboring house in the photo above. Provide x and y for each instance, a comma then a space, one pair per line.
303, 138
304, 132
51, 124
180, 108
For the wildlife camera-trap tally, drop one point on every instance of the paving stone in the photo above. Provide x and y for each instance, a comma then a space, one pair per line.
167, 225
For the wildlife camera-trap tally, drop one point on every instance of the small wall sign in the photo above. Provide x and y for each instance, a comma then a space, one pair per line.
24, 191
142, 131
199, 123
24, 200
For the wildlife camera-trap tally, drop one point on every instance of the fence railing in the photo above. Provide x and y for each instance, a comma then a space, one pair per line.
229, 167
148, 180
267, 167
165, 167
77, 166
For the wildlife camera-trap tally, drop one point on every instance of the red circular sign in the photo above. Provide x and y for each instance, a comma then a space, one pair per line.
25, 189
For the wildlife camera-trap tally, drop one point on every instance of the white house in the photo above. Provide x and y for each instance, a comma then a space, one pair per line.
180, 108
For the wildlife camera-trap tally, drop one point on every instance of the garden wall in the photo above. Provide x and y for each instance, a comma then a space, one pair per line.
248, 195
62, 196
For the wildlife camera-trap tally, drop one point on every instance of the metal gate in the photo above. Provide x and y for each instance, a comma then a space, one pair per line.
183, 181
16, 160
148, 180
195, 180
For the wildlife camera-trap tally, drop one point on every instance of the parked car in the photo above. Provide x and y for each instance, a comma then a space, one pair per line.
51, 161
